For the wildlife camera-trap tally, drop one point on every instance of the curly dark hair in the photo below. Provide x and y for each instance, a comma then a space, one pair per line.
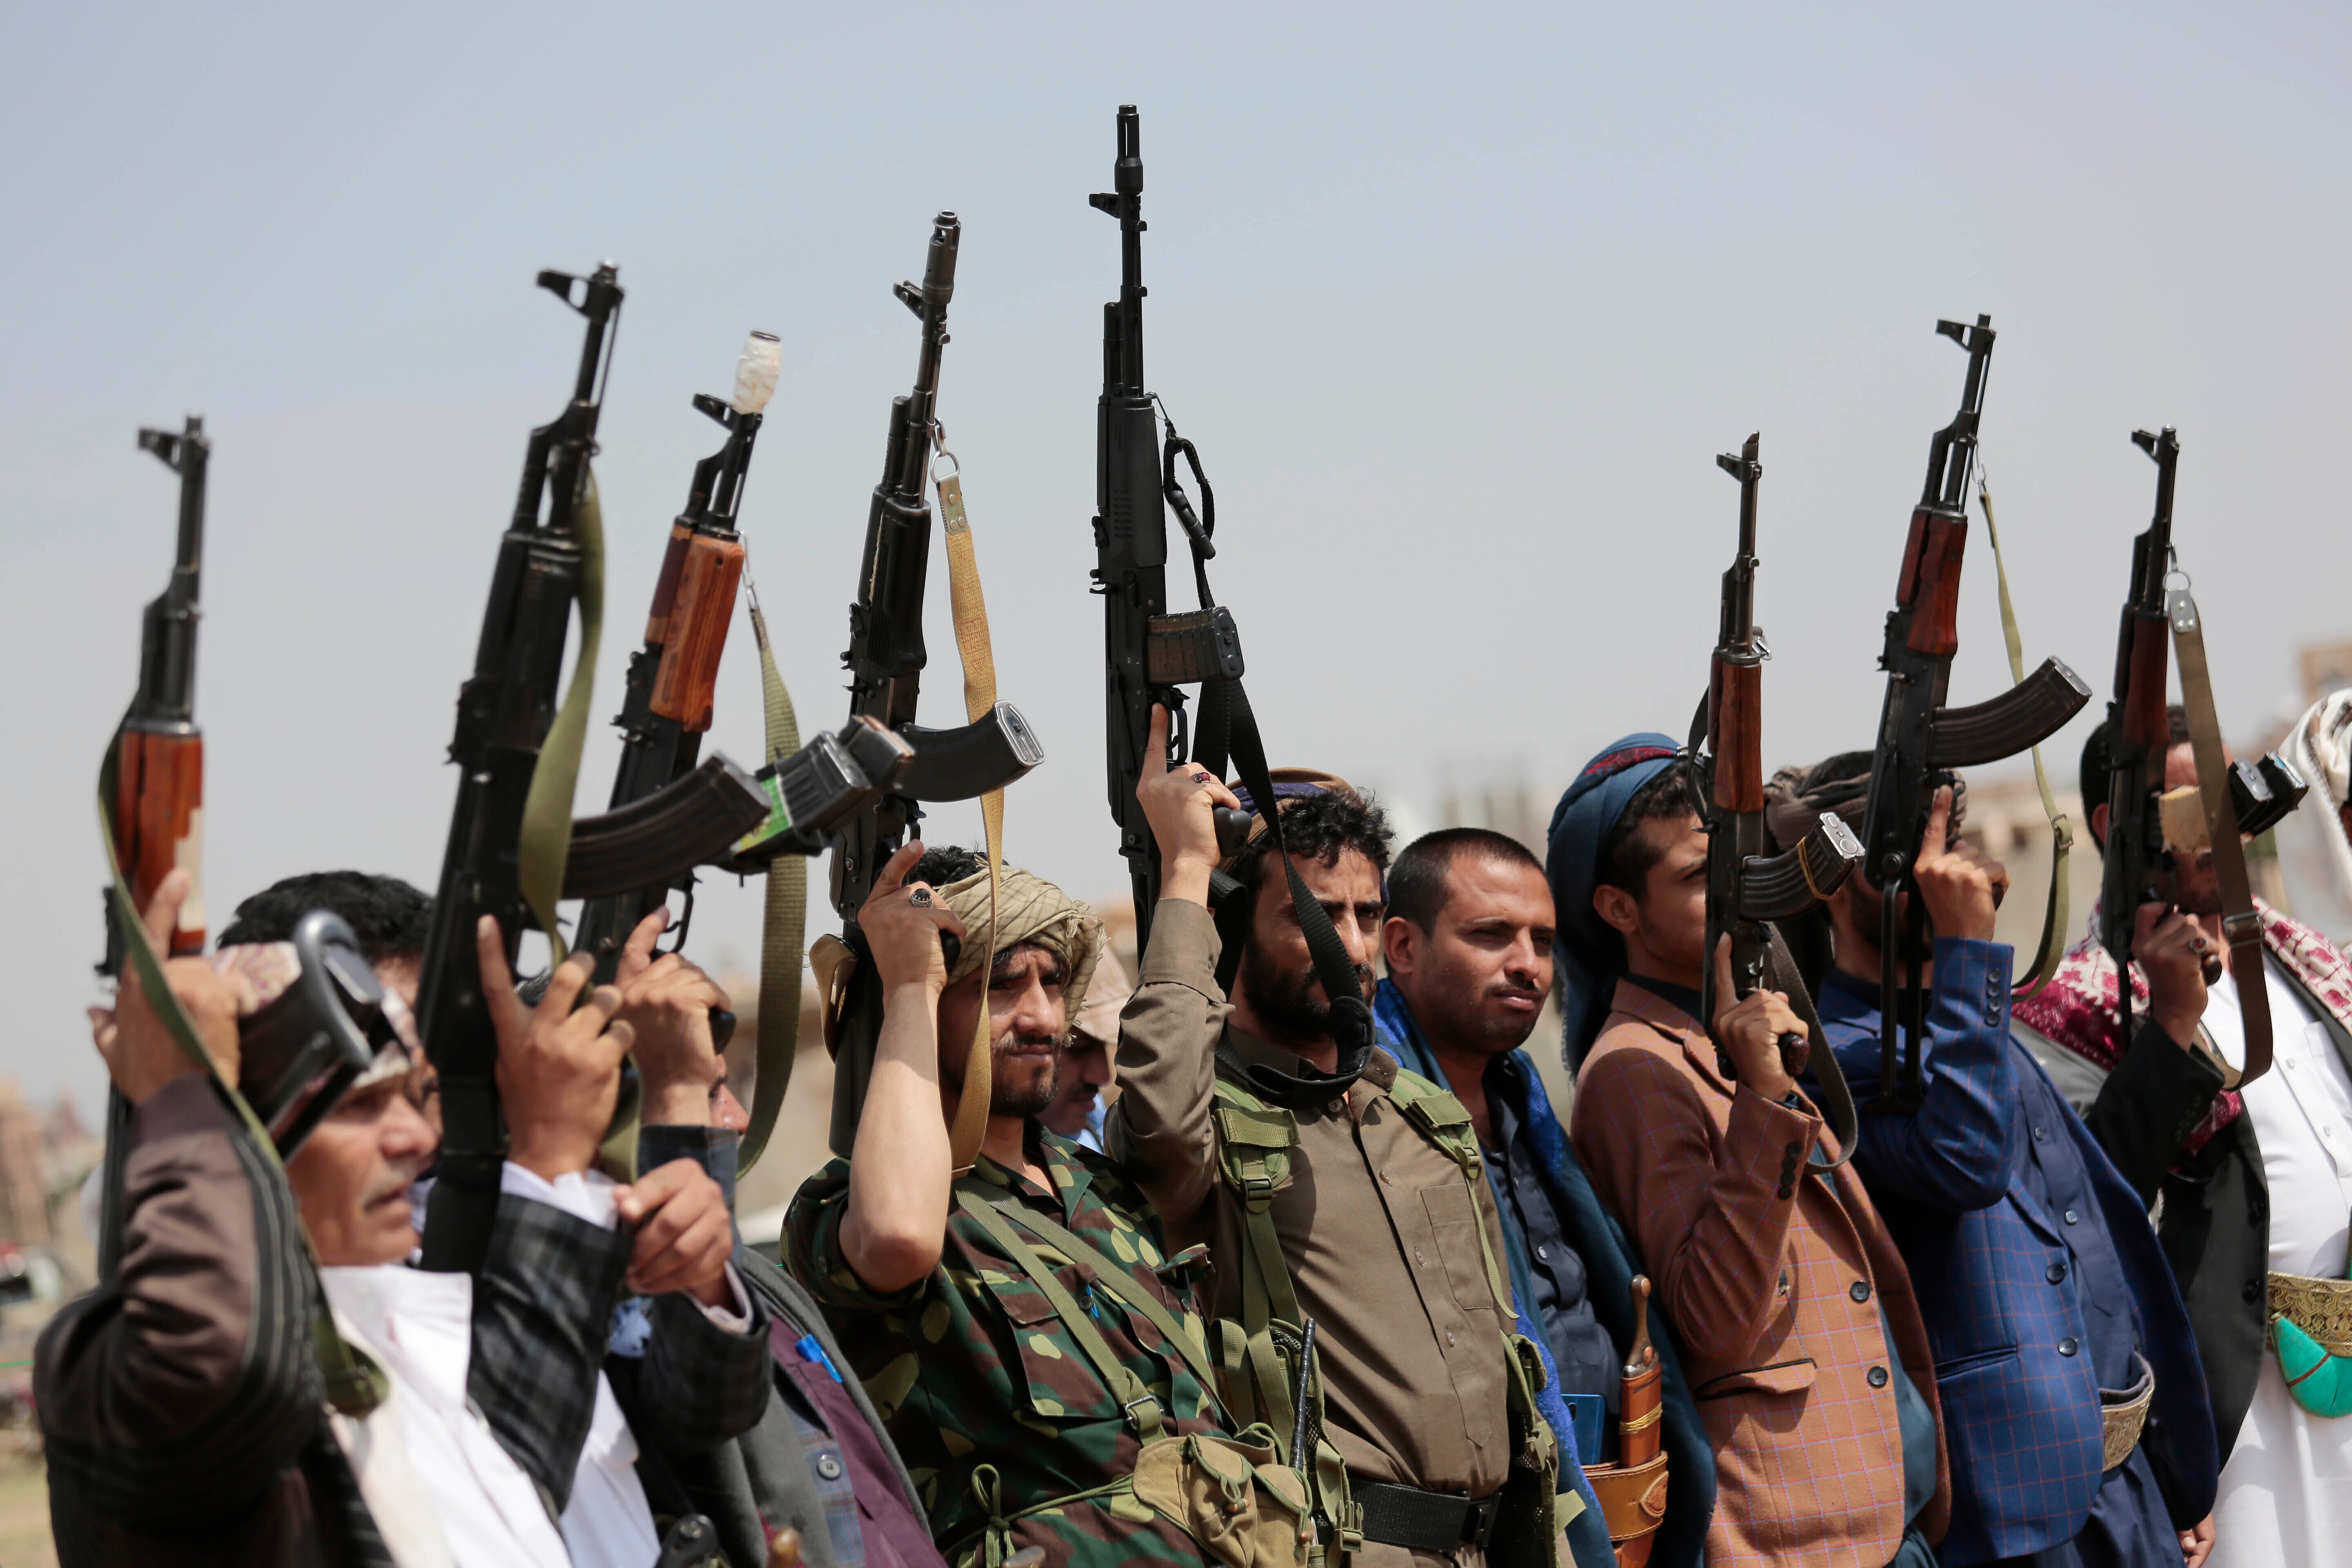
944, 863
1319, 828
388, 916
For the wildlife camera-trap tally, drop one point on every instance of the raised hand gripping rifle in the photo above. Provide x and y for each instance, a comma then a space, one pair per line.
2141, 857
155, 807
885, 658
553, 548
1150, 653
1747, 886
1921, 740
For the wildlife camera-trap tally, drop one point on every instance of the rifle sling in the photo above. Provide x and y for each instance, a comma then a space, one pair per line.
781, 927
2057, 911
546, 840
1115, 1282
1351, 1020
971, 612
2239, 923
1136, 1402
1836, 1099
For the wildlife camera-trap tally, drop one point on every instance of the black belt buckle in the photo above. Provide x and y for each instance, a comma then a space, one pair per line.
1478, 1520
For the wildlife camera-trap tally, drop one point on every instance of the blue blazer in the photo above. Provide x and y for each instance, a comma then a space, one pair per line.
1610, 1264
2021, 1416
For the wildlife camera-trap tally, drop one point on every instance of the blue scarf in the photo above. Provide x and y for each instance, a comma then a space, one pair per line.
1590, 953
1609, 1265
1405, 1042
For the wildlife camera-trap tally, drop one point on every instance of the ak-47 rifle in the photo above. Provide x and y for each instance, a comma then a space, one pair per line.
666, 708
1150, 654
886, 655
2142, 858
504, 713
1746, 886
1921, 740
158, 767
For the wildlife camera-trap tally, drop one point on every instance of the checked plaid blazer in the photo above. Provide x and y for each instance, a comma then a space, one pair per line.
1775, 1279
2007, 1307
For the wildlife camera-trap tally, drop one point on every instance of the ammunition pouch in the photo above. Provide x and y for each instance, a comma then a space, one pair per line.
1236, 1499
1233, 1495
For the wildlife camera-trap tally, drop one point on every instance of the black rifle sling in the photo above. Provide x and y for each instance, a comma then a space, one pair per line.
1836, 1100
2240, 924
1351, 1020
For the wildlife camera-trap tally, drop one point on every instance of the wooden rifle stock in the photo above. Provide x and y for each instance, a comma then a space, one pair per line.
156, 815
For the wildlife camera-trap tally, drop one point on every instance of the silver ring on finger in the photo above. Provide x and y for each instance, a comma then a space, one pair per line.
1199, 778
920, 898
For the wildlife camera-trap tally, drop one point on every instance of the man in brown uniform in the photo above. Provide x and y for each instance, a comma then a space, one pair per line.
1387, 1233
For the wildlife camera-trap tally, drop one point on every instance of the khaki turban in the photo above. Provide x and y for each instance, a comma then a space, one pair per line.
1031, 910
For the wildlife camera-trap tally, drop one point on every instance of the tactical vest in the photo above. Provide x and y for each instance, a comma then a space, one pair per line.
1234, 1496
1257, 1357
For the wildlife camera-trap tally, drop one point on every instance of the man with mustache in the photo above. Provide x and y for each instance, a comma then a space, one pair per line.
184, 1406
1020, 1326
2254, 1181
1351, 1196
1469, 947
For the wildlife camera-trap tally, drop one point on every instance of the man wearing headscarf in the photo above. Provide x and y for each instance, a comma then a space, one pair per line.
930, 1276
1347, 1194
1089, 1061
2254, 1180
1801, 1337
2046, 1298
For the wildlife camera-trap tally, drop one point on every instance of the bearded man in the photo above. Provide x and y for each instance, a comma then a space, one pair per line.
1084, 1441
1341, 1192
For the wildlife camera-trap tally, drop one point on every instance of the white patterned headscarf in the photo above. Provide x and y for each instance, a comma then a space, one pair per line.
2320, 748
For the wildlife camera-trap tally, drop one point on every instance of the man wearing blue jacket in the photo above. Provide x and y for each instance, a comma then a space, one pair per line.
1468, 946
2073, 1400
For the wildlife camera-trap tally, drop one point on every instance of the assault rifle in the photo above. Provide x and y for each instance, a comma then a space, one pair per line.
504, 712
157, 768
1149, 653
1745, 886
2141, 862
885, 658
886, 654
1921, 740
666, 708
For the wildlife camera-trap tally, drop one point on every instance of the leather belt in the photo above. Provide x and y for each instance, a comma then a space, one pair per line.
1420, 1521
2123, 1413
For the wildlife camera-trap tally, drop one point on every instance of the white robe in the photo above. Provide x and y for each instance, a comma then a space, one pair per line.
2287, 1487
442, 1490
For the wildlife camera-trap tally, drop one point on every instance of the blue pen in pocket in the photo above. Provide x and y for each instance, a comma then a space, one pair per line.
812, 1350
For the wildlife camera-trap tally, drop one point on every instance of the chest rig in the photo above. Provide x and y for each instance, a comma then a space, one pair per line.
1258, 1358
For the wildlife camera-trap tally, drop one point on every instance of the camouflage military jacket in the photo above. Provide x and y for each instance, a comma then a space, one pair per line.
992, 1402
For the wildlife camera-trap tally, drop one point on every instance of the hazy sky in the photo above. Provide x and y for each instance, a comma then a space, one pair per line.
1458, 302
